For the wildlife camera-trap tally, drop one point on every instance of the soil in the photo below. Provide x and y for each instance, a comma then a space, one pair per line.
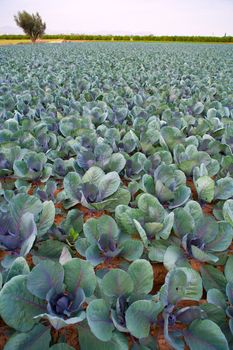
3, 253
196, 265
190, 184
110, 264
68, 335
208, 209
159, 276
29, 260
4, 333
58, 219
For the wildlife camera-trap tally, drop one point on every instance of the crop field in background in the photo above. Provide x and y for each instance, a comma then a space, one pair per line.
116, 196
148, 38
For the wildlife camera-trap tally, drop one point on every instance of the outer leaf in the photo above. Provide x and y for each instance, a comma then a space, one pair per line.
200, 255
46, 218
93, 255
121, 196
45, 276
141, 232
124, 216
195, 211
90, 229
229, 269
116, 283
182, 195
224, 188
16, 300
61, 346
188, 314
223, 239
229, 292
74, 220
168, 224
205, 188
182, 284
157, 250
109, 184
214, 296
174, 257
140, 316
213, 278
198, 108
132, 249
65, 256
23, 203
81, 245
151, 207
59, 323
98, 317
142, 275
71, 181
88, 341
93, 175
202, 335
176, 339
36, 339
49, 249
183, 222
18, 267
215, 314
106, 224
117, 162
80, 273
227, 211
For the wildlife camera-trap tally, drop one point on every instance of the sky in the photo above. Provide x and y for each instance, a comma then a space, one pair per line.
158, 17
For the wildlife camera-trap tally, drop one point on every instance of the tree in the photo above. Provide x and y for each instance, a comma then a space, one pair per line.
32, 25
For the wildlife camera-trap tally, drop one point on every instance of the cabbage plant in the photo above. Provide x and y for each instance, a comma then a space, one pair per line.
168, 184
201, 237
125, 304
209, 189
188, 158
200, 331
95, 190
149, 220
26, 219
53, 291
32, 166
104, 241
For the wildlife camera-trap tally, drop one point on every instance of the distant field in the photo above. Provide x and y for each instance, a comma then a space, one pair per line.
25, 41
54, 41
15, 39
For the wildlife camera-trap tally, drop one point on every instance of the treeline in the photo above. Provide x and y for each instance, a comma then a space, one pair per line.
204, 39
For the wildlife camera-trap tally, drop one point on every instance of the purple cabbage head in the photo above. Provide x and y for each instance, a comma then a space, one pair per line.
17, 237
65, 304
108, 246
121, 308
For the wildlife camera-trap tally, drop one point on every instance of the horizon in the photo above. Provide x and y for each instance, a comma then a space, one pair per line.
132, 17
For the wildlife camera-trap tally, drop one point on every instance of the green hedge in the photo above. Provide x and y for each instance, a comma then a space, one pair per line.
127, 38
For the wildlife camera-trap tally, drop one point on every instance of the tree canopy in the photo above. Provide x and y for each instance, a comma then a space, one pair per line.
31, 24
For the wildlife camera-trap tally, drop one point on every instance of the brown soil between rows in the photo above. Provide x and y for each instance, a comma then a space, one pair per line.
68, 335
4, 334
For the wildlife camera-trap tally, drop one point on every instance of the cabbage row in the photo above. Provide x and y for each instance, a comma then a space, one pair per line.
116, 196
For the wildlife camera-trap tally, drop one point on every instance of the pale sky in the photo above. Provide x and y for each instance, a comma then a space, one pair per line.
158, 17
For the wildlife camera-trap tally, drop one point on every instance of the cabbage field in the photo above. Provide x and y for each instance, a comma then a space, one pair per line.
116, 196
